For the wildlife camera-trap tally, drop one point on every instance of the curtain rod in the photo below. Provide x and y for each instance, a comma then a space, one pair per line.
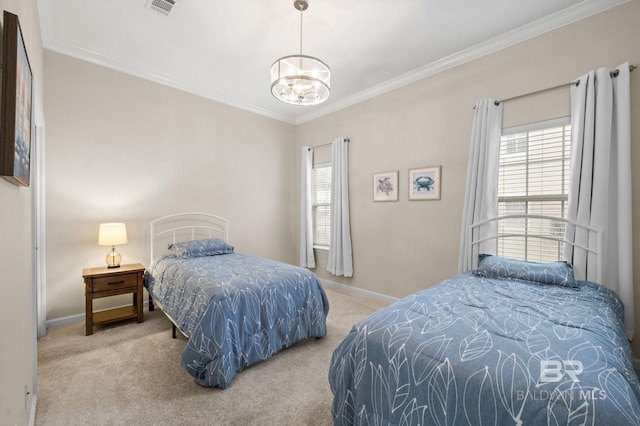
576, 82
327, 144
614, 73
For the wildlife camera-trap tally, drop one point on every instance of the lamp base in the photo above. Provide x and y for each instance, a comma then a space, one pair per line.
113, 259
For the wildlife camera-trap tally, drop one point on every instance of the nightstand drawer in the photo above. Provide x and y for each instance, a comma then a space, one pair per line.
115, 282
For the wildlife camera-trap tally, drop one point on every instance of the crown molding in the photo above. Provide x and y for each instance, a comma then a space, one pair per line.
565, 17
573, 14
140, 71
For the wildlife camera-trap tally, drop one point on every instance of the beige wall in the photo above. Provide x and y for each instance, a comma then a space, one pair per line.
103, 129
120, 148
401, 247
17, 356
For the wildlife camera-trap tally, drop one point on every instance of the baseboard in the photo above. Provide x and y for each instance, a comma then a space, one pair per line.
57, 322
32, 414
360, 291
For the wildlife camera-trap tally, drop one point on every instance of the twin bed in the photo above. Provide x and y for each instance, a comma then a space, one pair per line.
235, 309
508, 342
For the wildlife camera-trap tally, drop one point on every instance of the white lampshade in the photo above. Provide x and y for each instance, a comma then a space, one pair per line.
112, 234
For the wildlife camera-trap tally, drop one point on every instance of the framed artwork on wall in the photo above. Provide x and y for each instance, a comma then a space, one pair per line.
425, 183
385, 186
15, 119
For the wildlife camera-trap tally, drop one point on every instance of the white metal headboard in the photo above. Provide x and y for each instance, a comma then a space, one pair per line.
475, 239
189, 226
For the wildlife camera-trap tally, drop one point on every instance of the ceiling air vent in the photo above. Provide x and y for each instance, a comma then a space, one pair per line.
162, 6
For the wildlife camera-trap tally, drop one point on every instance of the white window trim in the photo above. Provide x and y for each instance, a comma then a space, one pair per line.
524, 128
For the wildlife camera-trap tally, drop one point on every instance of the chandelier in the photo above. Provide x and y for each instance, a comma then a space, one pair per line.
300, 79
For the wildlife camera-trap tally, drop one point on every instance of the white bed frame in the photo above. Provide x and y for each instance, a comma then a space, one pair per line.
180, 227
472, 261
194, 225
188, 226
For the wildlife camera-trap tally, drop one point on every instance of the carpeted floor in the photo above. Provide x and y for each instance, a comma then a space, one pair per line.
129, 373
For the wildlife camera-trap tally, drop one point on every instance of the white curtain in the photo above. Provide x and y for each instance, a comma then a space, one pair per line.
481, 194
307, 258
340, 261
600, 179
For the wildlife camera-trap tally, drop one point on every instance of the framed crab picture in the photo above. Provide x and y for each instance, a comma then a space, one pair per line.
424, 183
385, 186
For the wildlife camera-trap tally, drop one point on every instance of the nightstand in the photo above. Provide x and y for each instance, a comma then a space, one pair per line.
105, 282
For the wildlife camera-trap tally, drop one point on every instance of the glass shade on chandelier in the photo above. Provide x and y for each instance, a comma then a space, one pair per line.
300, 80
112, 234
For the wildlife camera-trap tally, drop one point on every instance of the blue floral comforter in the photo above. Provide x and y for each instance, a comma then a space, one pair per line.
483, 350
236, 309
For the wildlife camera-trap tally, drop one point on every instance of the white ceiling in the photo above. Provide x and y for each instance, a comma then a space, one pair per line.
223, 50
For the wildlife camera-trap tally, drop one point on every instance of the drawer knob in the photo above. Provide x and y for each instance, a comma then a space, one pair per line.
116, 282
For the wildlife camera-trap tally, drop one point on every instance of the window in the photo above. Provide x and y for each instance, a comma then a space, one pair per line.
533, 178
321, 204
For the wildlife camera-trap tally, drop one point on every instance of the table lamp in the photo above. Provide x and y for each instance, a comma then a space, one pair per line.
112, 234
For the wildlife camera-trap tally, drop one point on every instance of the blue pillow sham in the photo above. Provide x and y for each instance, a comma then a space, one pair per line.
200, 248
557, 273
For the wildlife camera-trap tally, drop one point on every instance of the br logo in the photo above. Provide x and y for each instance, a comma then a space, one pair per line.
554, 370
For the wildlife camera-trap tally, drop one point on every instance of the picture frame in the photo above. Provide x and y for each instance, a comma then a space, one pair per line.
385, 186
16, 104
425, 183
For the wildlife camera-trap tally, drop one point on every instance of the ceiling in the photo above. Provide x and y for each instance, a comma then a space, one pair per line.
223, 50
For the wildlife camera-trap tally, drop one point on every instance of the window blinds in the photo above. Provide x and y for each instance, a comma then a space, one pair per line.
533, 178
321, 204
